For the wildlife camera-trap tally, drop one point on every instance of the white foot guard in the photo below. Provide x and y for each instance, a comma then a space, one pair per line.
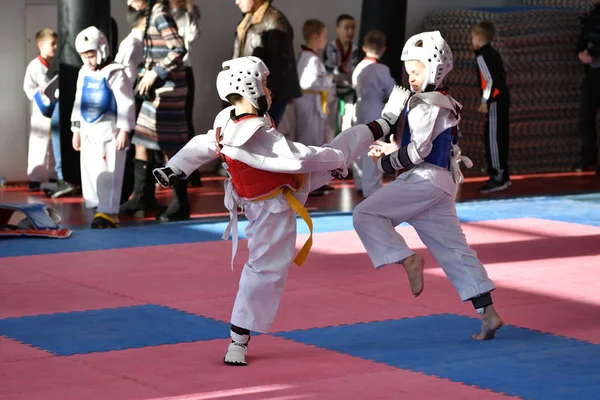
236, 354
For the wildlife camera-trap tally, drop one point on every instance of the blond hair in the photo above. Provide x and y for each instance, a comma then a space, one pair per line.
45, 34
486, 30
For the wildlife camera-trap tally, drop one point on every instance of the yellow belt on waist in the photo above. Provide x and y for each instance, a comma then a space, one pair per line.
302, 212
324, 94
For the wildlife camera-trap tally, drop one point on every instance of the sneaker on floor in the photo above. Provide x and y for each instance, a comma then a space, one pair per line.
34, 186
63, 188
48, 188
104, 221
493, 185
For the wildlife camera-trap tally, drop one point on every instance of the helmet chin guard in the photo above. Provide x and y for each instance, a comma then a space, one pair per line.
92, 38
244, 76
432, 50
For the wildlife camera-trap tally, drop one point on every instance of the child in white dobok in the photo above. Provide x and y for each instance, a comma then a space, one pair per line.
103, 114
39, 157
317, 87
270, 178
373, 84
424, 193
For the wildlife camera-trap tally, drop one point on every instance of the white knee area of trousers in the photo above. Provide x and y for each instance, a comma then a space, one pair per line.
379, 237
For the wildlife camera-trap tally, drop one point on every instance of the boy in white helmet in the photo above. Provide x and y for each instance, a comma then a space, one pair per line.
270, 178
424, 193
103, 114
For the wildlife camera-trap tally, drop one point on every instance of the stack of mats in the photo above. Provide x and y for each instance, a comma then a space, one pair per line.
543, 74
581, 5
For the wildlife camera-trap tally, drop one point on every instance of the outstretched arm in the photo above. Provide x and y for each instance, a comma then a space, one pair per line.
269, 150
201, 150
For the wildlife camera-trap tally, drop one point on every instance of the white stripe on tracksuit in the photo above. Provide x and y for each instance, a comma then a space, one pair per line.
493, 132
492, 110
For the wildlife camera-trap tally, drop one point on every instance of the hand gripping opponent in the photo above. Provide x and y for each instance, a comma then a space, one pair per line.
166, 177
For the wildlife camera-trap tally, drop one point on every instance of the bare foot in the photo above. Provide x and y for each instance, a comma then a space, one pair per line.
414, 269
490, 323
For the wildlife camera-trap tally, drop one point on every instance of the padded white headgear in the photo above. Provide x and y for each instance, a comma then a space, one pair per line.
434, 53
92, 38
243, 76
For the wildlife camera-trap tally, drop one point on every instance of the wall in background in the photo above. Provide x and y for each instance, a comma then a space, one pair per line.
219, 19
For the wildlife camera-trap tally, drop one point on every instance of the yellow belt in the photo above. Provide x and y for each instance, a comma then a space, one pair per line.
324, 94
302, 212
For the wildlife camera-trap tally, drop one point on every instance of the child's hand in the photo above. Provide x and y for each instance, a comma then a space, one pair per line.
122, 140
76, 141
483, 108
375, 153
585, 57
386, 148
380, 149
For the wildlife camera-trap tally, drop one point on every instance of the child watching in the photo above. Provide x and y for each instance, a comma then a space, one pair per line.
495, 104
103, 115
35, 82
340, 58
131, 49
131, 54
373, 84
311, 108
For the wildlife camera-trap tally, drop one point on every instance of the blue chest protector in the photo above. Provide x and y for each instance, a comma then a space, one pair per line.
442, 145
96, 99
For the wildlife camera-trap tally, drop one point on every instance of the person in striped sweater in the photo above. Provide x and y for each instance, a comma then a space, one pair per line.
161, 127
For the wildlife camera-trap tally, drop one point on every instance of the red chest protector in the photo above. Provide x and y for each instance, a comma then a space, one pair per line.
252, 183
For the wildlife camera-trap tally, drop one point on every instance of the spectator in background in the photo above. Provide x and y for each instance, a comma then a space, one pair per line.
161, 125
373, 84
131, 54
588, 49
103, 114
495, 104
340, 58
316, 84
266, 33
187, 18
44, 117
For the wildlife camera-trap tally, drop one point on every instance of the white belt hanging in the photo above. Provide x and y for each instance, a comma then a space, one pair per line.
231, 205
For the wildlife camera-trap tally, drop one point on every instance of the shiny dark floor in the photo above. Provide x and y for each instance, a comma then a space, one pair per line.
207, 200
